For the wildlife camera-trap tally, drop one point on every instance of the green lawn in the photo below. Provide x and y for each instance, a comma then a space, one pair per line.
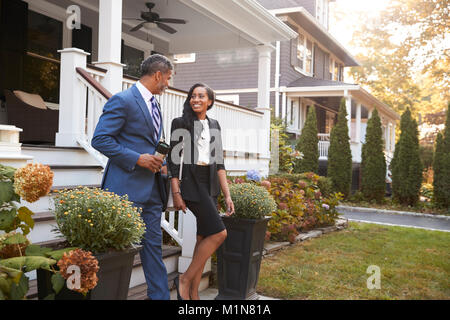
414, 264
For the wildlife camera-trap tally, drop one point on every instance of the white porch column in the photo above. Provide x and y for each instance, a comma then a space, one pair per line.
348, 105
358, 123
72, 98
110, 43
388, 137
264, 98
10, 148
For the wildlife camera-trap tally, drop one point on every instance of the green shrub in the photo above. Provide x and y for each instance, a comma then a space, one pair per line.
251, 201
308, 145
406, 165
98, 220
340, 154
441, 166
373, 164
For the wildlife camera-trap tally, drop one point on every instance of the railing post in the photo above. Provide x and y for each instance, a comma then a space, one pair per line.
109, 43
189, 235
72, 98
10, 148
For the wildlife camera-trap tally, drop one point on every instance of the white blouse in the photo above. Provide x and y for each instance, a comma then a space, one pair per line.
203, 144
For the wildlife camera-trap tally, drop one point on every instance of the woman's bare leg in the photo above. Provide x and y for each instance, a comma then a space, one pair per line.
204, 251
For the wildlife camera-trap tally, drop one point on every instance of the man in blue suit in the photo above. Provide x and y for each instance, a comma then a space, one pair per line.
127, 133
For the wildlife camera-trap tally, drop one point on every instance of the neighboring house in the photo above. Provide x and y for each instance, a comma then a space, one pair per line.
307, 70
66, 76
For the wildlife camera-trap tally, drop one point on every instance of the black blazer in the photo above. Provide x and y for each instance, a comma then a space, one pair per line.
189, 182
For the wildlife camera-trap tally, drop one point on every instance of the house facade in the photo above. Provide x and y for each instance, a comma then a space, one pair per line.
60, 60
306, 70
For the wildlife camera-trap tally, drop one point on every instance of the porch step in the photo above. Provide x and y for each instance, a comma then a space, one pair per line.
51, 155
170, 257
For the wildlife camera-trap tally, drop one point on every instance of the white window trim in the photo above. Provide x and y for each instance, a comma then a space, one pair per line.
306, 37
189, 59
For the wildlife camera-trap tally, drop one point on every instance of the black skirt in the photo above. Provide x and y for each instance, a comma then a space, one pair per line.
205, 210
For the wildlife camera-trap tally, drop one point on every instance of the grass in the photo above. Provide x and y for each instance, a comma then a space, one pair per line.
414, 264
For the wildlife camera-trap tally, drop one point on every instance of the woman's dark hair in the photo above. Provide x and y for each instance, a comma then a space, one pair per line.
189, 116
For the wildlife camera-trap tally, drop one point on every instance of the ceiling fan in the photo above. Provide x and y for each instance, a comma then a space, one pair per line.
152, 17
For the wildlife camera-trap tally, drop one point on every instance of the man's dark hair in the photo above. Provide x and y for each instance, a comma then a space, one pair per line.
154, 63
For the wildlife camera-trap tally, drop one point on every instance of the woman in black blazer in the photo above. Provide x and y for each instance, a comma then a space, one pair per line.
203, 175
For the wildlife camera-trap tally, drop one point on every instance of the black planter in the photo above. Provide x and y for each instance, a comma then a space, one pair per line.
239, 258
114, 276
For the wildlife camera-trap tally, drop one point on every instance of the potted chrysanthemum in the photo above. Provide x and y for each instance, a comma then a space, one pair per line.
109, 226
239, 257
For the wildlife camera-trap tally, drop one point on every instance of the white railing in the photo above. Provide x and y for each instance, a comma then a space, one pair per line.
324, 144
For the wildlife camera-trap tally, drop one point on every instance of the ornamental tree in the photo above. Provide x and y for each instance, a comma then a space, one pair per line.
340, 154
441, 166
373, 164
406, 165
308, 145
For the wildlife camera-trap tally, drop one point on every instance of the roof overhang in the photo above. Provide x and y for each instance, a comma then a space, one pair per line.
227, 25
303, 18
355, 91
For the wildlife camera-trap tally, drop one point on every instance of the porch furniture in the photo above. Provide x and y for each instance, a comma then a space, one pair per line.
30, 113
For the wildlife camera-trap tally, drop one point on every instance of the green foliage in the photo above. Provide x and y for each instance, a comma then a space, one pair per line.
340, 154
373, 164
251, 201
12, 218
96, 220
406, 165
308, 145
286, 155
301, 205
441, 166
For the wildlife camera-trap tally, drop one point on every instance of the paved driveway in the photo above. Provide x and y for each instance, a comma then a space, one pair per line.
405, 220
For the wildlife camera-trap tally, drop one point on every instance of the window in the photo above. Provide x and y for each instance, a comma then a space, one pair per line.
41, 63
301, 50
132, 58
322, 12
308, 58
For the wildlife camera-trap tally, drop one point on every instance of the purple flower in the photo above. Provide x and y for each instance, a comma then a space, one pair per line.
325, 206
253, 175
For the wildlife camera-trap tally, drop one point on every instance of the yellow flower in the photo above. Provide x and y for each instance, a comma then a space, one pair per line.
66, 213
92, 225
89, 210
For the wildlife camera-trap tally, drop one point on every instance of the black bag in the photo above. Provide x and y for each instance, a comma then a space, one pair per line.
164, 188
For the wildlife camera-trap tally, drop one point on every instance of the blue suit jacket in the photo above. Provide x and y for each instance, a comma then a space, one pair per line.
123, 133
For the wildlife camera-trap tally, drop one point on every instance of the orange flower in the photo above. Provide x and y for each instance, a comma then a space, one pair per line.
33, 181
88, 265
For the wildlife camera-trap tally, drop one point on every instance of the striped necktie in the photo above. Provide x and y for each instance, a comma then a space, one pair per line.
156, 117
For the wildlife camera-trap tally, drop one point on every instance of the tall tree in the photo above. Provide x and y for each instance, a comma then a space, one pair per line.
404, 56
308, 144
340, 154
406, 165
373, 164
441, 166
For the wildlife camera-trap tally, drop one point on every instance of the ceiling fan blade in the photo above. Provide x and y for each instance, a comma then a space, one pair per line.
170, 20
133, 19
140, 25
165, 27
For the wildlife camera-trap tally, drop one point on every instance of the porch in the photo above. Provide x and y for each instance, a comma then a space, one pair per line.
75, 71
326, 95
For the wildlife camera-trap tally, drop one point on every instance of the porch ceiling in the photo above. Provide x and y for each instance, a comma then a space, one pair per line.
211, 24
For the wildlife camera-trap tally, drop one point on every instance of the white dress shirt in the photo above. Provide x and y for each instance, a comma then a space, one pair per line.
203, 144
146, 95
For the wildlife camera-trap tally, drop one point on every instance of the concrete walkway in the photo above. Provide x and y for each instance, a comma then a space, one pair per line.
396, 218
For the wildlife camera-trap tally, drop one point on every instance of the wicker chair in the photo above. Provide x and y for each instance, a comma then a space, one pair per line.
39, 125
